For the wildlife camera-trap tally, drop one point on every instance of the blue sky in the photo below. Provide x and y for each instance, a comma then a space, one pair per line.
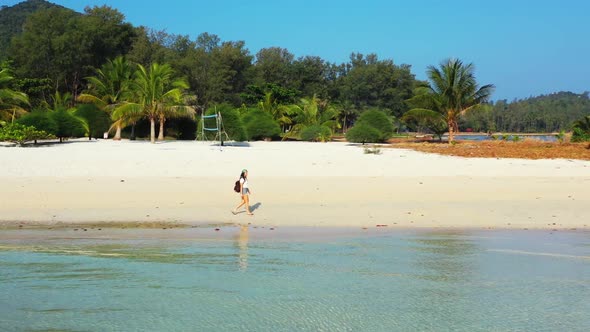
524, 47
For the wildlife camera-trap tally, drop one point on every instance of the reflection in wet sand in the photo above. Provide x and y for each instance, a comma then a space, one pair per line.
242, 244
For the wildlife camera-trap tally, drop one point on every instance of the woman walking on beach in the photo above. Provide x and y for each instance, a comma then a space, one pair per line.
245, 193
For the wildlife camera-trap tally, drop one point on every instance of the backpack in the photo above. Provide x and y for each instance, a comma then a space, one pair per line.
237, 186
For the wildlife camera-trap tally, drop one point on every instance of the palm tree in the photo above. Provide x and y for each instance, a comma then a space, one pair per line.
10, 100
157, 95
312, 111
280, 113
423, 118
452, 91
110, 88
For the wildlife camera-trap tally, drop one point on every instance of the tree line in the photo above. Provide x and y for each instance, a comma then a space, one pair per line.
96, 61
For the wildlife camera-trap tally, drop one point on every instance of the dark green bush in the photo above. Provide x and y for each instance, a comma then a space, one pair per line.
364, 133
40, 120
260, 125
581, 130
21, 134
67, 124
377, 120
316, 133
232, 123
97, 121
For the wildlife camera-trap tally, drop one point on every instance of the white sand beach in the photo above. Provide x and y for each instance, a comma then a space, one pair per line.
293, 183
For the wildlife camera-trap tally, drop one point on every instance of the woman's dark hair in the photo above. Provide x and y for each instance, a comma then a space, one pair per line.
242, 176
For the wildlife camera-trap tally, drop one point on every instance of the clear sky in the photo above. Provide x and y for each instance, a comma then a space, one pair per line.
524, 47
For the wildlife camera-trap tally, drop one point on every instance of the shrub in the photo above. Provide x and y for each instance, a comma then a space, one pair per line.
561, 136
232, 123
377, 120
581, 130
364, 133
97, 121
40, 120
579, 135
260, 125
21, 134
67, 124
316, 133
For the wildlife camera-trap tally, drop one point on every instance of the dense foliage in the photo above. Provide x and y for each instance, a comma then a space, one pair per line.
96, 121
423, 120
21, 134
378, 120
581, 130
67, 124
260, 125
364, 133
13, 18
40, 120
316, 133
231, 121
547, 113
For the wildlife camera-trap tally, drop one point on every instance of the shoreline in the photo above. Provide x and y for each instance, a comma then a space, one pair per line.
18, 237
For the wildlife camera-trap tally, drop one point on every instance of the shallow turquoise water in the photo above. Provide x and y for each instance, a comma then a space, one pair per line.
382, 281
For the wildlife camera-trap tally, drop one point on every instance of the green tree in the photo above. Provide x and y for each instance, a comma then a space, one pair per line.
421, 119
312, 111
260, 125
231, 121
13, 18
581, 130
11, 101
379, 120
64, 46
68, 125
40, 120
96, 120
156, 94
364, 133
274, 65
452, 91
368, 82
217, 71
316, 133
110, 88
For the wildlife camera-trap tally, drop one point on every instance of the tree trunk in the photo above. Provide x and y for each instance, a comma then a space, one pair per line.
118, 133
153, 130
132, 137
451, 130
161, 133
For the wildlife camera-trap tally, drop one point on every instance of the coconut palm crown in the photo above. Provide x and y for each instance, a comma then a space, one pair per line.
110, 88
11, 101
452, 91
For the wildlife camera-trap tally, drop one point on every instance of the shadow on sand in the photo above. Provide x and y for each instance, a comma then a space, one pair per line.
255, 207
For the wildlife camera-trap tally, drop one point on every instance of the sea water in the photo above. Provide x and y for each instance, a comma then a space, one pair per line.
265, 280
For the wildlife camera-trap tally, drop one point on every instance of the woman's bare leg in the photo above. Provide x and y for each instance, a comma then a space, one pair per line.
241, 204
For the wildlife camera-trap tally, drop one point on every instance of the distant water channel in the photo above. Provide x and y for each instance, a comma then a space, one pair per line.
377, 281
